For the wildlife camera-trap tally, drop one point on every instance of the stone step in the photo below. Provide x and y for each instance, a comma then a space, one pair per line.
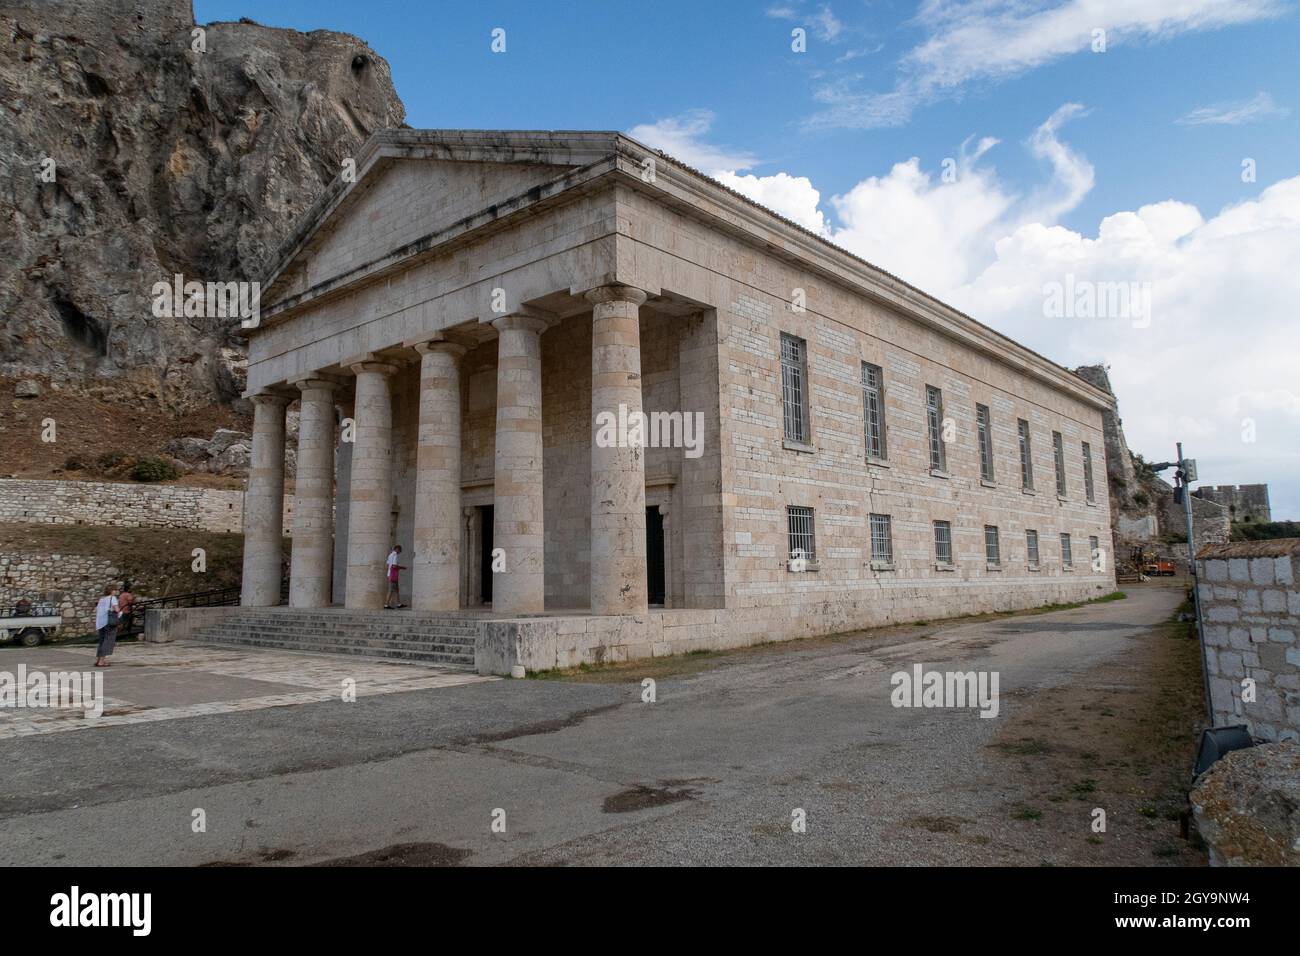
347, 633
368, 623
423, 654
339, 618
314, 640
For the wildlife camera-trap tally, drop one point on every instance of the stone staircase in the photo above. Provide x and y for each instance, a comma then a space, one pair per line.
437, 640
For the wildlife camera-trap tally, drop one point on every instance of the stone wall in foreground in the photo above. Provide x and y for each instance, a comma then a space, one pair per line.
71, 583
125, 505
1250, 600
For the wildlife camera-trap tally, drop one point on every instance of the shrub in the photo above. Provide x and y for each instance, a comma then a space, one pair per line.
76, 463
109, 460
154, 469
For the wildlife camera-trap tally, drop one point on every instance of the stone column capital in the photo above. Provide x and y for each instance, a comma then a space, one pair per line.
615, 293
524, 321
441, 345
316, 384
382, 368
271, 398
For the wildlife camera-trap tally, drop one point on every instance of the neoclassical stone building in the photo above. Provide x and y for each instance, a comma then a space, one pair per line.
458, 320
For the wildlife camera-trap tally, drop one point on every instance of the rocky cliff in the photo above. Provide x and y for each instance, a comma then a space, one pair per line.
172, 152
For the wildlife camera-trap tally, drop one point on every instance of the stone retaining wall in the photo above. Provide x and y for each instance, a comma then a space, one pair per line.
125, 505
73, 583
1250, 600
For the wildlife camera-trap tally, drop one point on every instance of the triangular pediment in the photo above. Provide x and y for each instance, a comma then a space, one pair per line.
409, 184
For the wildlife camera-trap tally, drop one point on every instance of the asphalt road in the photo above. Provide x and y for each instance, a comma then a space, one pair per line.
710, 773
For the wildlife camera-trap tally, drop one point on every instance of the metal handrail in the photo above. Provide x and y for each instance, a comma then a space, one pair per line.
216, 597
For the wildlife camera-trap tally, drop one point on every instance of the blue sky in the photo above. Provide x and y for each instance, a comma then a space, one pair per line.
1122, 165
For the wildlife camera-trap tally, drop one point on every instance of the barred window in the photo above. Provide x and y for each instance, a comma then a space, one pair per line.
1088, 490
803, 542
794, 387
873, 408
1031, 547
1026, 455
943, 542
1094, 548
986, 441
1058, 452
882, 540
934, 420
991, 550
1067, 559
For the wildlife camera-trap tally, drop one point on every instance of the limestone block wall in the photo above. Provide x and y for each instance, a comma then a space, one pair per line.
125, 505
1250, 601
762, 474
72, 583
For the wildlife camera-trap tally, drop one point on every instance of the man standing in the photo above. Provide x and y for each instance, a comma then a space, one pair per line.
394, 568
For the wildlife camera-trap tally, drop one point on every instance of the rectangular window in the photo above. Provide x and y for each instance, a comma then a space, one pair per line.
1058, 452
986, 441
882, 540
934, 420
1067, 558
1031, 547
1026, 459
1094, 549
991, 549
1088, 490
943, 542
803, 543
873, 409
794, 387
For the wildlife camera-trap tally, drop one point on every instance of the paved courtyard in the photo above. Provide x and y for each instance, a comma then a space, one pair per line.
153, 682
427, 767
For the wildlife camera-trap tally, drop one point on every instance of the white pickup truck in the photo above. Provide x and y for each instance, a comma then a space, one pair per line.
35, 625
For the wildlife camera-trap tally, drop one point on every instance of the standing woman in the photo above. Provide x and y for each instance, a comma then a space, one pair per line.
106, 617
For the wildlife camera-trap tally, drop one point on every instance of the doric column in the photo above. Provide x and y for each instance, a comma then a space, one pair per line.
517, 511
370, 506
618, 564
264, 504
435, 565
342, 495
311, 569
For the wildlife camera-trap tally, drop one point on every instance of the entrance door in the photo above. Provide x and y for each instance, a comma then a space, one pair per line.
654, 554
485, 553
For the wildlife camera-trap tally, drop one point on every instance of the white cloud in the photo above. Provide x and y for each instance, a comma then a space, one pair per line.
1212, 362
988, 40
791, 196
681, 137
1260, 106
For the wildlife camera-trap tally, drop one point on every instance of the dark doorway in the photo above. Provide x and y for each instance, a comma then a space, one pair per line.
485, 554
654, 554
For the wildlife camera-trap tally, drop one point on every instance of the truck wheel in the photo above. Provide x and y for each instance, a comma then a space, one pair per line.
31, 637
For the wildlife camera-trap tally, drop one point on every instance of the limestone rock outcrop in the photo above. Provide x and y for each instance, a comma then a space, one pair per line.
1247, 806
127, 156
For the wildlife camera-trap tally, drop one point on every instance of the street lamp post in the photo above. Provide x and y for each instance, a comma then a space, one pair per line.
1184, 476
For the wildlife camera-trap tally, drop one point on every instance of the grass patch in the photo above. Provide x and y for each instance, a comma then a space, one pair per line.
1023, 812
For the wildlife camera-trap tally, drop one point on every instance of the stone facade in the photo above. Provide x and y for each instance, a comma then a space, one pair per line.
72, 583
123, 505
1250, 602
573, 288
1243, 503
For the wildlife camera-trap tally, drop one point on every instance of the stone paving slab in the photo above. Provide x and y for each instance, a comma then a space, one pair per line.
153, 682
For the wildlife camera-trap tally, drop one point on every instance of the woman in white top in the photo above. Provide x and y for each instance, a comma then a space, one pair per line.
106, 612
